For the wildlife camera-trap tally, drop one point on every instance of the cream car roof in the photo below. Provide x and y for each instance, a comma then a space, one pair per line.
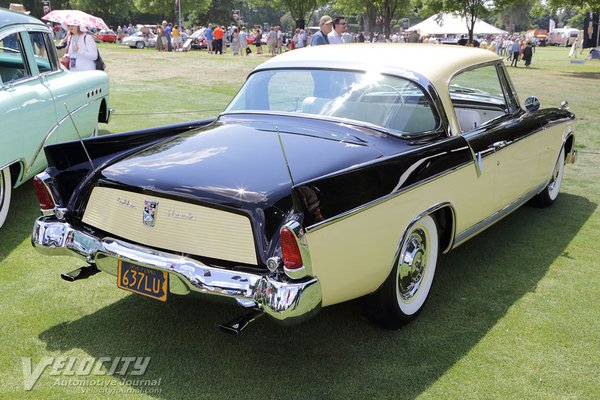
436, 63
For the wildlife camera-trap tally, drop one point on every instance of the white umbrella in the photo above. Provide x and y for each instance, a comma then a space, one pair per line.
75, 17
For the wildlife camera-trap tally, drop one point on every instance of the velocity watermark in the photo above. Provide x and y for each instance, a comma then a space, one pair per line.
126, 386
69, 368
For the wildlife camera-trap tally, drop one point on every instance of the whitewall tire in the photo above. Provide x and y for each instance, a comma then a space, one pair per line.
5, 192
551, 191
405, 290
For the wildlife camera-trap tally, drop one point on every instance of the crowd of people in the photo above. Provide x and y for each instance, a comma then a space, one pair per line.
217, 38
514, 48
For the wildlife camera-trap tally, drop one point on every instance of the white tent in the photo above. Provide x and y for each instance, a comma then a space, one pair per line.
453, 24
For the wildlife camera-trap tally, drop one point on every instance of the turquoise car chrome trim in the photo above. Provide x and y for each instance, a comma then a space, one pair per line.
49, 134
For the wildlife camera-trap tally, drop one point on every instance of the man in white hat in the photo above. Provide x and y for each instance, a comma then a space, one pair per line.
18, 7
325, 26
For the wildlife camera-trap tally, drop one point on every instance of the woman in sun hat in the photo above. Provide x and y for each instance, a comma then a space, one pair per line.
81, 49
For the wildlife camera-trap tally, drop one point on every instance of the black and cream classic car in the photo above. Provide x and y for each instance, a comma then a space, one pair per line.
336, 172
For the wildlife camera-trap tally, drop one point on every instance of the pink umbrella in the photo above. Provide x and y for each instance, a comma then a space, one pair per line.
75, 17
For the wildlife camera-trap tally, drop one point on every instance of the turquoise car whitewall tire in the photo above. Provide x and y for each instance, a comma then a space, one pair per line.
405, 290
5, 191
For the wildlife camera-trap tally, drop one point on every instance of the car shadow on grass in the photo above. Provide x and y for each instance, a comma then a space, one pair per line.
24, 209
578, 74
338, 354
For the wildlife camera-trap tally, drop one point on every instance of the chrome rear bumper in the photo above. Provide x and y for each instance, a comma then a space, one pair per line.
285, 301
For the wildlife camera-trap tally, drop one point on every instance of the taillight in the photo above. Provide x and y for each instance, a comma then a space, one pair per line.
43, 194
292, 259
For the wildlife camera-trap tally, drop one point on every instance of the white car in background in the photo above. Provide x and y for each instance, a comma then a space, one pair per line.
140, 40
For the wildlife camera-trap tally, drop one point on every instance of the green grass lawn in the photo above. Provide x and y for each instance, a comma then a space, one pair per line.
513, 312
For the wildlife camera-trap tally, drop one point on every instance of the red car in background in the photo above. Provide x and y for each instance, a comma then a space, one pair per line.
107, 35
251, 38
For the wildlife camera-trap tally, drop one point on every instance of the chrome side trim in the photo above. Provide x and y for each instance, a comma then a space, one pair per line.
286, 301
477, 158
492, 219
11, 84
383, 199
429, 211
51, 132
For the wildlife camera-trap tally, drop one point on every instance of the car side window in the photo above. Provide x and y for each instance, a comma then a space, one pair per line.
12, 59
44, 52
477, 97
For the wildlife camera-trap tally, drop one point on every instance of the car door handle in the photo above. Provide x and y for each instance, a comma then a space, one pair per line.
500, 144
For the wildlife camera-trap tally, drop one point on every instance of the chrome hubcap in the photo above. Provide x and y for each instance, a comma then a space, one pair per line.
412, 264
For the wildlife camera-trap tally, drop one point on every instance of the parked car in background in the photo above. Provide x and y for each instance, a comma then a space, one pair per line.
562, 37
336, 172
139, 40
199, 40
40, 102
107, 36
452, 41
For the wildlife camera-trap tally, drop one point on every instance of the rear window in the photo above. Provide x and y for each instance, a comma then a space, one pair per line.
392, 102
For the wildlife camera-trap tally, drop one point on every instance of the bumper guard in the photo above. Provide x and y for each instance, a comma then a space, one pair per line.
285, 301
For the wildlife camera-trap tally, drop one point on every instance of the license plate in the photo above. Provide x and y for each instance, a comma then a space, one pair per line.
142, 280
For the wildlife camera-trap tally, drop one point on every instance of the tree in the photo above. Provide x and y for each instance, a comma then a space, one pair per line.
299, 9
359, 7
167, 8
373, 11
388, 9
590, 5
514, 15
108, 10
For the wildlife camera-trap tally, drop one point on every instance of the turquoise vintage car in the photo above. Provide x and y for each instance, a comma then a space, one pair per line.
40, 102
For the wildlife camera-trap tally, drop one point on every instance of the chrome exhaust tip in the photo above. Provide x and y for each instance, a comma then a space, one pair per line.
236, 326
79, 273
